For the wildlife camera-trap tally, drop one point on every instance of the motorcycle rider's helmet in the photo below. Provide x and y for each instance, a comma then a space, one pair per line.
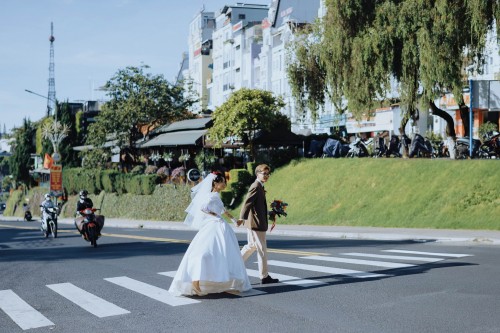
83, 194
47, 196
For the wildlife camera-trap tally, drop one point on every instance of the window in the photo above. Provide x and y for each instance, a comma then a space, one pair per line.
241, 16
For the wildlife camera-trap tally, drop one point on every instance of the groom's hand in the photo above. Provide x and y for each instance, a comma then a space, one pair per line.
239, 222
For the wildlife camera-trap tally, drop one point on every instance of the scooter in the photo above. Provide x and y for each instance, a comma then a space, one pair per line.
49, 227
359, 148
89, 224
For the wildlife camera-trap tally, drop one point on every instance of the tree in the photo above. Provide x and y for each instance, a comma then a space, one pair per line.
243, 114
138, 103
69, 156
20, 160
426, 47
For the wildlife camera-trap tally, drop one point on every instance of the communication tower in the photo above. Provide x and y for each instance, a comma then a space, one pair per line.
51, 98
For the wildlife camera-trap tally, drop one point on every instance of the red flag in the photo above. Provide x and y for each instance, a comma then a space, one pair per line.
47, 161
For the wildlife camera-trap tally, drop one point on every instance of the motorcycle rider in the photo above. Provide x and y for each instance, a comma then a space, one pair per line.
84, 202
46, 203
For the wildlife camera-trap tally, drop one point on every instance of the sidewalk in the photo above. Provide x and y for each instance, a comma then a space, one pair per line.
331, 232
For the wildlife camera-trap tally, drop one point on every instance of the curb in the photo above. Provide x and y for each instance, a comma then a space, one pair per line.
483, 237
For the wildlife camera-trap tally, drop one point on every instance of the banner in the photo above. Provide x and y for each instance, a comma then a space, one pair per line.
47, 161
56, 179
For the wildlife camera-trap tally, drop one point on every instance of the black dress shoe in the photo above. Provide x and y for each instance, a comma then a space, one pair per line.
268, 279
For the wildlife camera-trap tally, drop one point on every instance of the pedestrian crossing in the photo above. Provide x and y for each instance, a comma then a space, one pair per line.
384, 262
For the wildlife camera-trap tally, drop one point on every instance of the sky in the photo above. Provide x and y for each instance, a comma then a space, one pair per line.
93, 40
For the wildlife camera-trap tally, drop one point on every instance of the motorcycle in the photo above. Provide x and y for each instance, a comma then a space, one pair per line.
490, 148
420, 147
359, 148
27, 216
89, 224
49, 226
462, 149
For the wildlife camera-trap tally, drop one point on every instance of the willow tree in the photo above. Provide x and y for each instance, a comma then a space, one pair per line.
426, 46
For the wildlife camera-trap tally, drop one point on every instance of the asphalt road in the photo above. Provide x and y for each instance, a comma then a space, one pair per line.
327, 285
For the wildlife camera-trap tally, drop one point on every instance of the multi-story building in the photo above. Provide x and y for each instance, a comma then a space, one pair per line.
199, 73
236, 45
284, 18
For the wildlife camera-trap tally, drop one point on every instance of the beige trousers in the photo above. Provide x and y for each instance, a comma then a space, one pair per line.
256, 242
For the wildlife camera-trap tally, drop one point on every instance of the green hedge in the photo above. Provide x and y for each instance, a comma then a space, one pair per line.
251, 167
148, 183
239, 179
110, 181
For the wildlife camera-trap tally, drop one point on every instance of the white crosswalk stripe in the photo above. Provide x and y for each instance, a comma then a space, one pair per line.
451, 255
26, 317
323, 269
287, 279
87, 301
383, 256
169, 274
23, 314
376, 263
151, 291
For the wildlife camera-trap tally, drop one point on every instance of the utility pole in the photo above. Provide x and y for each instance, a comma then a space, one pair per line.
51, 98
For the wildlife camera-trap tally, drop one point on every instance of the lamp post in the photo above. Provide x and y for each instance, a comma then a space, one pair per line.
49, 109
55, 132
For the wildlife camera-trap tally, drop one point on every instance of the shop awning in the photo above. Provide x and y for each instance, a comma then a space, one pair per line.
40, 170
174, 139
90, 147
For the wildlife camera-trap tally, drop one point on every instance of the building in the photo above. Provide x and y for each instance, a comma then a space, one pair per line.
236, 45
199, 71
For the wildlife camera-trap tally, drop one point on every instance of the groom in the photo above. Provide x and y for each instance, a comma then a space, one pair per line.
254, 214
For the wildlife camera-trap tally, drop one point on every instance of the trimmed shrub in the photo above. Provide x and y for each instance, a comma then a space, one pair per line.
148, 183
134, 185
251, 167
238, 184
226, 197
109, 180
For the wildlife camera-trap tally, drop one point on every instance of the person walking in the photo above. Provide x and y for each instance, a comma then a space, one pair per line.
254, 215
212, 262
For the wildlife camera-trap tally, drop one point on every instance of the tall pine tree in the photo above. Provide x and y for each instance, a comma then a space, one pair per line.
24, 146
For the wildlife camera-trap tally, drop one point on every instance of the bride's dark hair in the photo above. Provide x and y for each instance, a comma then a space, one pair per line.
219, 178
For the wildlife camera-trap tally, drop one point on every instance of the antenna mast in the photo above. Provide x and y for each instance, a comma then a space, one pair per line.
51, 98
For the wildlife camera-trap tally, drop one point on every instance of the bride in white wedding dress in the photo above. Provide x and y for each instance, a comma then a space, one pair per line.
212, 262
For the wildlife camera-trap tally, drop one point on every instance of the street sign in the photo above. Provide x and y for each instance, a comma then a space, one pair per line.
56, 179
193, 175
56, 157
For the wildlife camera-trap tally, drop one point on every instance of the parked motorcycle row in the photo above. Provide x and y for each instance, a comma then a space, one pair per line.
418, 146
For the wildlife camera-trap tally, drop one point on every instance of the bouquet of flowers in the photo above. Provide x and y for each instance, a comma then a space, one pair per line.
278, 208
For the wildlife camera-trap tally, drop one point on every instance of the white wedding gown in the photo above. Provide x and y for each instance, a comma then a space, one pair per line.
213, 257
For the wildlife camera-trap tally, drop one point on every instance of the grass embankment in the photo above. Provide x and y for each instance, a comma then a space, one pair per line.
405, 193
416, 193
